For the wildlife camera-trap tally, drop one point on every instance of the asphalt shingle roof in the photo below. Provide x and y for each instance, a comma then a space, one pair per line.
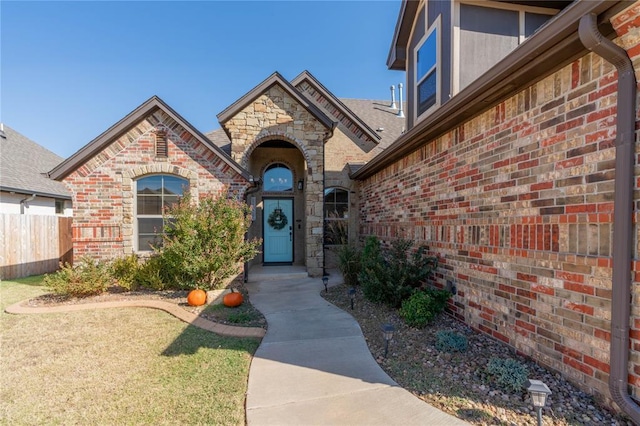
23, 164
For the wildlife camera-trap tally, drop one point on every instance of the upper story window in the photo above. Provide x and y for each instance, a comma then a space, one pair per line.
427, 72
278, 177
154, 194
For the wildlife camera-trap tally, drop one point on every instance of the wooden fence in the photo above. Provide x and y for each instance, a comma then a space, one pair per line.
33, 245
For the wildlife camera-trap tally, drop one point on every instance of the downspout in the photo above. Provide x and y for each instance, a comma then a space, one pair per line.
623, 207
25, 202
252, 190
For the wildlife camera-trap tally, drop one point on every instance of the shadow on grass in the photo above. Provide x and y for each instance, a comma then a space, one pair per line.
192, 339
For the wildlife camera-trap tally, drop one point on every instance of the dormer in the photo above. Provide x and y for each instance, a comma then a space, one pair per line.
445, 45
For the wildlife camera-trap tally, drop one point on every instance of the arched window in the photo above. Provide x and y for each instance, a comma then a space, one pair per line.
153, 195
278, 177
336, 216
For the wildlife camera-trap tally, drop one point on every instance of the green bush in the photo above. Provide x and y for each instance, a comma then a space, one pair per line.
508, 374
151, 275
87, 278
392, 276
423, 306
450, 341
204, 243
349, 263
124, 271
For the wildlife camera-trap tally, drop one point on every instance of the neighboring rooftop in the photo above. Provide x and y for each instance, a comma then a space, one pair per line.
23, 164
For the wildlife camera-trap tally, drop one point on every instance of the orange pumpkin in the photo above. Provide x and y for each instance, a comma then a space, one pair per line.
197, 297
232, 299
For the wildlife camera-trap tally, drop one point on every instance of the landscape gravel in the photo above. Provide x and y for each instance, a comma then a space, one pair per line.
455, 382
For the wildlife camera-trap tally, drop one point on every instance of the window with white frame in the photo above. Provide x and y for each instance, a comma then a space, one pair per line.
426, 72
336, 216
154, 194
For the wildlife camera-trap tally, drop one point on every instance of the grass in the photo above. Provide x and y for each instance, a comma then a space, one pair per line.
116, 366
244, 315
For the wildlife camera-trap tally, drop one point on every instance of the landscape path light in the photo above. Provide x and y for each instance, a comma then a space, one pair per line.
352, 296
539, 393
325, 281
387, 333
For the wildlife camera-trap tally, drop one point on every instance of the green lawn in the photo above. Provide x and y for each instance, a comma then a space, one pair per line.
116, 366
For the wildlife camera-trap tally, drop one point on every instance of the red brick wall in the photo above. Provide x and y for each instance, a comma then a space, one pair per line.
104, 187
518, 204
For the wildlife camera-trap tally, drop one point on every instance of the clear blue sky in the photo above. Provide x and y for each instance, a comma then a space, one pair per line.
70, 70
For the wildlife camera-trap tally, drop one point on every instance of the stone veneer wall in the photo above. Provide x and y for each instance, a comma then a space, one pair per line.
277, 115
104, 187
518, 204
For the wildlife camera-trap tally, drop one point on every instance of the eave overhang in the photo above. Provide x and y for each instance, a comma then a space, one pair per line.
552, 47
337, 103
274, 79
37, 193
396, 60
150, 106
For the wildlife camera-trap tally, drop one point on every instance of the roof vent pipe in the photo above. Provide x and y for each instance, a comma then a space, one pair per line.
393, 97
622, 214
400, 111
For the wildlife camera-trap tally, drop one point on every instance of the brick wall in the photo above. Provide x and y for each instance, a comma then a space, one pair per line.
104, 187
517, 203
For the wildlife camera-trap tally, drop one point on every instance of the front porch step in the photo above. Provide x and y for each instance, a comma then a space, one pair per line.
280, 272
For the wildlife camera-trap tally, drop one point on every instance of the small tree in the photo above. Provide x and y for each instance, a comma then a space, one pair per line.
204, 243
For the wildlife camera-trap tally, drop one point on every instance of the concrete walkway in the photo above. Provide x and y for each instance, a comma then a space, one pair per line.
313, 366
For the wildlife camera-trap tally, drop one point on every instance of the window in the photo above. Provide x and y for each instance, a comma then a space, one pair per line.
153, 195
59, 206
336, 216
278, 178
427, 72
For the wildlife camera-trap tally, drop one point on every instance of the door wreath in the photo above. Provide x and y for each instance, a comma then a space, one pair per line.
277, 219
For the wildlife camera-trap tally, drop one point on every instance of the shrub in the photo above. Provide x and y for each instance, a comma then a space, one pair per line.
349, 264
87, 278
373, 273
392, 276
508, 374
124, 271
204, 243
450, 341
422, 307
150, 275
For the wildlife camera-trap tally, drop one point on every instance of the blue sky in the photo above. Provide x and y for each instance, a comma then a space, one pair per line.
69, 70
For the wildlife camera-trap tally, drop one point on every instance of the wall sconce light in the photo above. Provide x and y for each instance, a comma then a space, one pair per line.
325, 281
539, 393
352, 296
300, 184
387, 333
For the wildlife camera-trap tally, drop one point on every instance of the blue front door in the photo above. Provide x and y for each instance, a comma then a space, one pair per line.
278, 231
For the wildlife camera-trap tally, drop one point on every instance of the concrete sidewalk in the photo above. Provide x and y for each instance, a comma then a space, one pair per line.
313, 366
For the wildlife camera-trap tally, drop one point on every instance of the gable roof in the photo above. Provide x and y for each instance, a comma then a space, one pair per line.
376, 114
23, 166
154, 103
334, 106
270, 81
